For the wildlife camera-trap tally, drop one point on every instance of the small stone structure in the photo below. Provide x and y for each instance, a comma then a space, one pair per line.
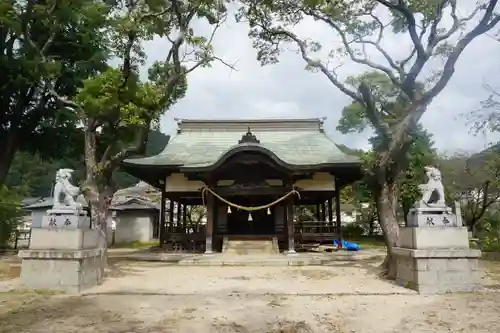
434, 254
64, 254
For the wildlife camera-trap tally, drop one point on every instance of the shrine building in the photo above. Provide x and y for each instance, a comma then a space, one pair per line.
252, 176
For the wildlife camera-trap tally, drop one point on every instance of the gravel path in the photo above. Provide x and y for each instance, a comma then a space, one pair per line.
348, 298
474, 313
156, 278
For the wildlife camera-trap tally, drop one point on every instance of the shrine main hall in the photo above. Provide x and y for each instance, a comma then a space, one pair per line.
252, 177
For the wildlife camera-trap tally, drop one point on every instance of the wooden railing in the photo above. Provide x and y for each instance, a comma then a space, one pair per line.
315, 231
184, 237
22, 238
191, 236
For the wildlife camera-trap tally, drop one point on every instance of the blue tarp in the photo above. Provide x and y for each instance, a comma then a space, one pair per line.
349, 246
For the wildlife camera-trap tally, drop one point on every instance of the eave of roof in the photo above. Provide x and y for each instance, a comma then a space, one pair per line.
292, 143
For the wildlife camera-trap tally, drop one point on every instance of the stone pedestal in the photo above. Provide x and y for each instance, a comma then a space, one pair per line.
435, 257
62, 256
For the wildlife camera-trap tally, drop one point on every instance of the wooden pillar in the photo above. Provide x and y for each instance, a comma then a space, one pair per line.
184, 214
330, 213
290, 228
171, 216
318, 216
179, 215
337, 213
323, 211
210, 223
184, 218
322, 216
162, 227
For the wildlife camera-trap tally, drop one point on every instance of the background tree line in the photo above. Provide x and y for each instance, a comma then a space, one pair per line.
34, 173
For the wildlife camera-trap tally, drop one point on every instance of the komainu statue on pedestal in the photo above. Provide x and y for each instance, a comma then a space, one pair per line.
65, 192
433, 189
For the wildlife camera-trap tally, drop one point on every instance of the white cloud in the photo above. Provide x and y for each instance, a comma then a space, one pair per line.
288, 90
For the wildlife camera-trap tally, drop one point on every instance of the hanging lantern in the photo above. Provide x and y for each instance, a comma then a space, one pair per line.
229, 209
250, 217
268, 211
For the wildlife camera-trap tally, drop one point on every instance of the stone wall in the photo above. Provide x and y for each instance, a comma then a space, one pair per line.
133, 226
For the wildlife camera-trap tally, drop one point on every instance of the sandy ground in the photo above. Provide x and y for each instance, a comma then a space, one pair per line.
151, 297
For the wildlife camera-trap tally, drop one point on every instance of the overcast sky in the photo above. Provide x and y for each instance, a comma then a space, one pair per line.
287, 90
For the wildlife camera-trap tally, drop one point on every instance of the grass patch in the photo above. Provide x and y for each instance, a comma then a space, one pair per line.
45, 292
370, 242
9, 270
491, 268
135, 245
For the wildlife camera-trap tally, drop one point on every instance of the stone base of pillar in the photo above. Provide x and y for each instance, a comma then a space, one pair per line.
291, 253
438, 271
68, 260
435, 260
208, 245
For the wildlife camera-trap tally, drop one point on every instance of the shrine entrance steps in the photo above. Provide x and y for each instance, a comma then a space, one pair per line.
263, 245
339, 258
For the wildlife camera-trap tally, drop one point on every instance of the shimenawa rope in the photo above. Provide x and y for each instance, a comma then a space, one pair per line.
246, 208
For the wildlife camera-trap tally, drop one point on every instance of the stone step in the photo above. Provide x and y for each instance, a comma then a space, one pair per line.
250, 242
251, 246
240, 246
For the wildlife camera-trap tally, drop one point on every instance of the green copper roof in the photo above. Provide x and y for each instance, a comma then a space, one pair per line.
200, 143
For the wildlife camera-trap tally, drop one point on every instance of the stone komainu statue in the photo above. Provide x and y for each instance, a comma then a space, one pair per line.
65, 192
433, 189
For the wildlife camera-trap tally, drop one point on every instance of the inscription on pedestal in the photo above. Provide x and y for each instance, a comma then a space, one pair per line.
432, 216
66, 222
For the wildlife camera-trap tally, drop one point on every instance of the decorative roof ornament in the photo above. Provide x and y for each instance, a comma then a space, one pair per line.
249, 137
321, 124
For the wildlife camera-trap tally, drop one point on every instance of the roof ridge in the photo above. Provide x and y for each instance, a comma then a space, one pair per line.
255, 120
198, 125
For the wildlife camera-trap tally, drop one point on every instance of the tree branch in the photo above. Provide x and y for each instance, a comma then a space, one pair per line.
352, 54
205, 58
418, 106
314, 63
136, 148
411, 22
433, 35
379, 48
127, 54
484, 25
373, 113
414, 49
41, 52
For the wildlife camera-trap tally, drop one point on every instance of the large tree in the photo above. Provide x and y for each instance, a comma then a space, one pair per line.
363, 27
116, 108
419, 145
70, 35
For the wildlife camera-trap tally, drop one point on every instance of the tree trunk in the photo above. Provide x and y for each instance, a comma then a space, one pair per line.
9, 148
98, 200
99, 207
386, 208
371, 225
